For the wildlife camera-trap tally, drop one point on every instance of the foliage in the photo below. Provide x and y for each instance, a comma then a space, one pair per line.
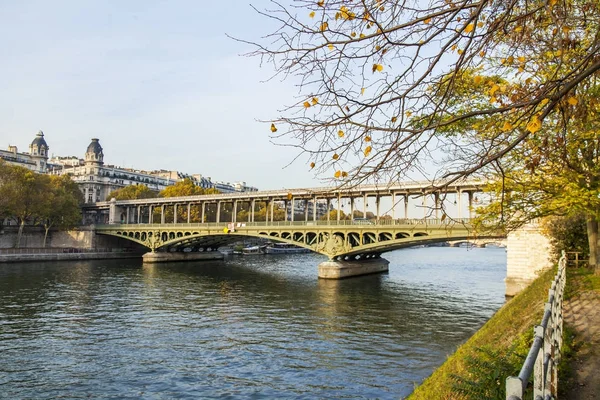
32, 198
333, 214
132, 192
566, 233
377, 79
487, 370
511, 324
185, 187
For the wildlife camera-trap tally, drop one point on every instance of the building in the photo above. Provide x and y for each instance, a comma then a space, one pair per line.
37, 158
96, 180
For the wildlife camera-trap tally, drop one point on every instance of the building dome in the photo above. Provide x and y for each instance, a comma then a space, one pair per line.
39, 140
94, 147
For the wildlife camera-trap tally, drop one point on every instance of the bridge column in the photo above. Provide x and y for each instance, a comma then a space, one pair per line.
470, 195
406, 206
305, 212
339, 269
139, 214
339, 207
365, 205
272, 210
150, 218
393, 206
293, 204
203, 209
377, 201
112, 211
162, 214
314, 208
218, 211
234, 212
351, 208
251, 213
189, 208
328, 207
424, 205
174, 213
459, 201
127, 215
436, 197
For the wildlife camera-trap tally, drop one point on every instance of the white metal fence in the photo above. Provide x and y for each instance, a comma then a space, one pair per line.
544, 355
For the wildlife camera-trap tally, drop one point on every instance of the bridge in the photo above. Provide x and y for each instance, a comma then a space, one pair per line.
183, 227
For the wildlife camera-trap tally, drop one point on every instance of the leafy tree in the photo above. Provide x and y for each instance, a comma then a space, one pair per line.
186, 187
376, 77
567, 233
61, 205
132, 192
333, 216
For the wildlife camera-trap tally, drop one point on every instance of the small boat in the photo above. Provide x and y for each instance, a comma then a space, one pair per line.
285, 248
253, 250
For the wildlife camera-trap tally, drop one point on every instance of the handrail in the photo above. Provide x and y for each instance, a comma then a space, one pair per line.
544, 354
358, 224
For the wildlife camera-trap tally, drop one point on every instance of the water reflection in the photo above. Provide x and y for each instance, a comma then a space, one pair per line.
239, 328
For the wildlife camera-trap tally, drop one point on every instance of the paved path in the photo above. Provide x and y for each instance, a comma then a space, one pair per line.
582, 312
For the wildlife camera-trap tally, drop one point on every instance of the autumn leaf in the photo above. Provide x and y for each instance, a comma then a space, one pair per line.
306, 104
312, 165
337, 174
289, 196
324, 26
362, 91
320, 3
408, 114
469, 28
330, 46
312, 14
344, 174
394, 119
377, 67
367, 151
427, 20
335, 156
507, 126
367, 138
273, 129
534, 125
572, 101
477, 80
341, 133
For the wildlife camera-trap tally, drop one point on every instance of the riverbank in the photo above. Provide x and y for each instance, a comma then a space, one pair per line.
470, 367
89, 255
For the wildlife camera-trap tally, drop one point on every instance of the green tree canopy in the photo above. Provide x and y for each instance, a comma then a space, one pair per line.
132, 192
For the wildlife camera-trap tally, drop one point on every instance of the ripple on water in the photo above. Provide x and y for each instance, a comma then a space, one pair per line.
261, 327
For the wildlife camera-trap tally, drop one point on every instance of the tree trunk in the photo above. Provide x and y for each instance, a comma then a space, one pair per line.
592, 233
20, 233
47, 228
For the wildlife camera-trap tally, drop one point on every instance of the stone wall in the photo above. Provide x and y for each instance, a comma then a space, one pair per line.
527, 253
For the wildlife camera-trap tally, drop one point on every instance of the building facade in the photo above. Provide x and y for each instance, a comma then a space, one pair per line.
37, 158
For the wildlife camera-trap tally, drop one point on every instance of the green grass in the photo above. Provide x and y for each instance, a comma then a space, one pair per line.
510, 328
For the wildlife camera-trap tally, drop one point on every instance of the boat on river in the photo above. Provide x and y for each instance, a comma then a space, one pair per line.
285, 248
253, 250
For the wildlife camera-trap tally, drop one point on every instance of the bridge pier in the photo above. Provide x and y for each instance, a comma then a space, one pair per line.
160, 257
334, 269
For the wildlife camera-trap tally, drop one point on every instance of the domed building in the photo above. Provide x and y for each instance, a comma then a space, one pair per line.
37, 158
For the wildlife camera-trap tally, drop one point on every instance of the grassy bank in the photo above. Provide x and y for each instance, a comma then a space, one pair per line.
510, 327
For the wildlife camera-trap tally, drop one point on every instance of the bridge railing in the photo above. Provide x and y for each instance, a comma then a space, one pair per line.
357, 223
544, 354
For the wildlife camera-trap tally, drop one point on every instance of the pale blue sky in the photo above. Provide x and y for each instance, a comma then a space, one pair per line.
157, 81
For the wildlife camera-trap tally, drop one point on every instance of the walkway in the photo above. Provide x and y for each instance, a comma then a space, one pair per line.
582, 313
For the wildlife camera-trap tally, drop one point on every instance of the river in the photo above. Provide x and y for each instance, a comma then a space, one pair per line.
246, 327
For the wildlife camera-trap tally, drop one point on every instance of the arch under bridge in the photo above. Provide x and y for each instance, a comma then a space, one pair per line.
339, 240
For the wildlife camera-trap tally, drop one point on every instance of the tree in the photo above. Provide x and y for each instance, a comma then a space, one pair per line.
61, 205
365, 72
132, 192
333, 216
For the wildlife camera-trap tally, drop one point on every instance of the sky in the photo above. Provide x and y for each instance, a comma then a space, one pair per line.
158, 82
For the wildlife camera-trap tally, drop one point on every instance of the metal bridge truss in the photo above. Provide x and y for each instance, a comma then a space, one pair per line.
341, 240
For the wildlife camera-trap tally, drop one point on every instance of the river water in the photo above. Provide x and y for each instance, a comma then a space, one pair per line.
247, 327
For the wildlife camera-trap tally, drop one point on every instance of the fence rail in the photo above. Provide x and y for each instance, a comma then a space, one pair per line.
544, 355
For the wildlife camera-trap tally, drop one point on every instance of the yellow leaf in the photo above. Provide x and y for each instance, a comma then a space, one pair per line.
315, 101
510, 59
394, 119
344, 174
377, 67
572, 101
469, 28
566, 29
367, 138
507, 126
335, 156
518, 29
427, 20
534, 125
521, 59
482, 53
494, 89
454, 47
477, 80
312, 14
306, 104
460, 51
320, 3
324, 26
479, 24
312, 165
367, 151
337, 173
377, 48
330, 46
362, 91
408, 113
289, 196
353, 34
544, 102
273, 129
443, 216
341, 133
362, 35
